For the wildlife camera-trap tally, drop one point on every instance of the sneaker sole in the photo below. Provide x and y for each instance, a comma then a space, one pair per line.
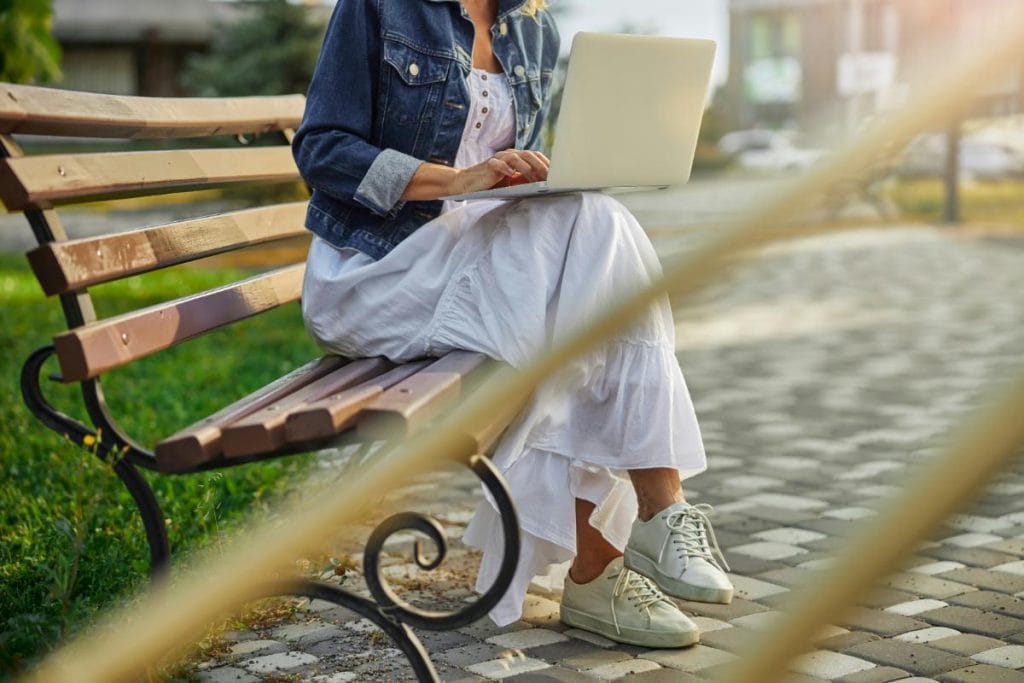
677, 589
630, 636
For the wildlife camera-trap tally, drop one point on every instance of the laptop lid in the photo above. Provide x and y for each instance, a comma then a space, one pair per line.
631, 110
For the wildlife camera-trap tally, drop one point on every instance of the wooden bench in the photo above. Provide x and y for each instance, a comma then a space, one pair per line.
328, 401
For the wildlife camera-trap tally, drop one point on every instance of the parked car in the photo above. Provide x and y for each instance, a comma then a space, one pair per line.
767, 150
979, 158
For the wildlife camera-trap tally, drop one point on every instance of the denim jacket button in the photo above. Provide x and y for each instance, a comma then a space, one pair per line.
520, 70
414, 69
503, 28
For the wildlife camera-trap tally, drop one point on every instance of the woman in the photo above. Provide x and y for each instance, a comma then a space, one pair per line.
413, 100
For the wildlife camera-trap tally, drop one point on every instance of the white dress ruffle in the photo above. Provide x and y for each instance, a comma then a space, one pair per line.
508, 279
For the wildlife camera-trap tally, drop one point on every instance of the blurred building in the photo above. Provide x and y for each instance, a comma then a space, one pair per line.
794, 62
134, 47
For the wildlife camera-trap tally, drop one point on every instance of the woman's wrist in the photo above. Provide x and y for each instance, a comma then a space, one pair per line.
432, 181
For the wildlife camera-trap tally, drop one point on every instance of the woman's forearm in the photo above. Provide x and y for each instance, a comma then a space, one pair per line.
431, 181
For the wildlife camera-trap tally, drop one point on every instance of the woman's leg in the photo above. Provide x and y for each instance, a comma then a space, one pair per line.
656, 489
593, 552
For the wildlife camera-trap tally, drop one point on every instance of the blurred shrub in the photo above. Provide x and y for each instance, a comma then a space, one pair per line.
28, 51
272, 51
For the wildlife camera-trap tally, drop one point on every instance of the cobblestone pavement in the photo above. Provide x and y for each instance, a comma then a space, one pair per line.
824, 371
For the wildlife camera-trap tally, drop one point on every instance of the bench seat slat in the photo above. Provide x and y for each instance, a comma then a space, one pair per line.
201, 443
39, 182
409, 405
334, 414
85, 352
264, 430
47, 111
64, 266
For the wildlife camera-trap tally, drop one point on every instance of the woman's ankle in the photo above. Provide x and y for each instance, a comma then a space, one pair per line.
585, 570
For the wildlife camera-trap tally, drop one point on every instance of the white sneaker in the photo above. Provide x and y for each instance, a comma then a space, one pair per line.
672, 549
624, 606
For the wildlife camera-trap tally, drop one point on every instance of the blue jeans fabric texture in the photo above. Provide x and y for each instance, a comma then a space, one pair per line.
389, 92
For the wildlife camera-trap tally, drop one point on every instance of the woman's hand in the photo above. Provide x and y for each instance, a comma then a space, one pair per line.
508, 167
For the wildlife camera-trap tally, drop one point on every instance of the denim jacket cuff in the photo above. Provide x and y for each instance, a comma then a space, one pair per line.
386, 180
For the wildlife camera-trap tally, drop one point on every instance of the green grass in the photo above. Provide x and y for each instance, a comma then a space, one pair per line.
71, 543
996, 201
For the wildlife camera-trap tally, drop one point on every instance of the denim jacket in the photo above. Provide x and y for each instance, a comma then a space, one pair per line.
390, 92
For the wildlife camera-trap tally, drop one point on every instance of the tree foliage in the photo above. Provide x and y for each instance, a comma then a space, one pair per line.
28, 51
272, 51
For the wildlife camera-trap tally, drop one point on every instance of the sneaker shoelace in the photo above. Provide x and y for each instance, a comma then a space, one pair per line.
638, 590
691, 533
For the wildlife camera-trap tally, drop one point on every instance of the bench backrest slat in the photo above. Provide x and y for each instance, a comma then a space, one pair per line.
64, 266
85, 352
46, 111
39, 182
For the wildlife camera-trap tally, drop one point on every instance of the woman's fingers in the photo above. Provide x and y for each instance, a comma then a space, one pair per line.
500, 166
533, 165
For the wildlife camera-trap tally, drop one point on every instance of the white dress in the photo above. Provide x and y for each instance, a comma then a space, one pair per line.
509, 278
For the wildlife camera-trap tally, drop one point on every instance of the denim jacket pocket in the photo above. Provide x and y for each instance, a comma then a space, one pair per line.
414, 81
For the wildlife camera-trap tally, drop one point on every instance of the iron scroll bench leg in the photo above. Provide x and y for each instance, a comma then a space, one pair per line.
75, 431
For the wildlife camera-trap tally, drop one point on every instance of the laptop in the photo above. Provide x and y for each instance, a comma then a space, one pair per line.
631, 112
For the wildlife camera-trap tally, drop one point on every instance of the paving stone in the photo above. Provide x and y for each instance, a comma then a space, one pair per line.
790, 577
257, 647
708, 625
735, 640
927, 635
592, 638
768, 550
982, 673
737, 608
585, 661
1016, 568
884, 598
983, 578
972, 557
972, 620
849, 514
691, 659
759, 621
506, 667
779, 515
225, 674
611, 672
527, 638
282, 662
1007, 656
879, 622
829, 665
909, 609
918, 659
660, 676
933, 568
565, 651
439, 641
789, 535
754, 589
966, 644
470, 654
879, 674
552, 674
338, 677
844, 641
992, 602
978, 524
927, 586
1011, 546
